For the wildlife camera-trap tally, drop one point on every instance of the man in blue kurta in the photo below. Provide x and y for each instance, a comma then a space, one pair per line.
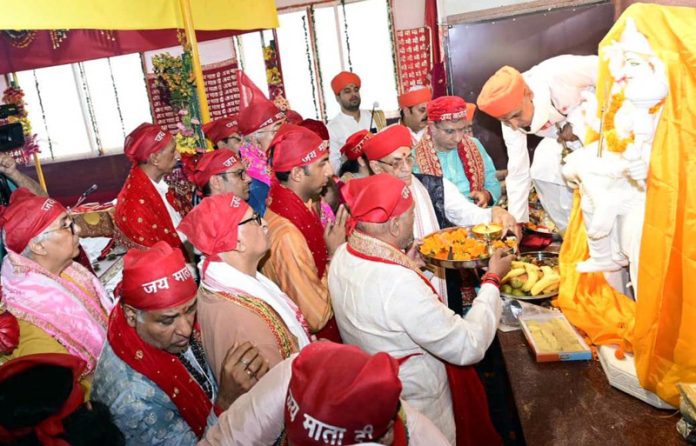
446, 150
153, 373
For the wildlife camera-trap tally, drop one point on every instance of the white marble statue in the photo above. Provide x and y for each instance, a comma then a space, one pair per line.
612, 183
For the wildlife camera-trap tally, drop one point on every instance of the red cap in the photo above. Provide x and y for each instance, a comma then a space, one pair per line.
145, 140
9, 332
221, 129
353, 148
292, 117
502, 93
156, 278
387, 141
49, 431
394, 198
295, 146
213, 163
211, 226
447, 108
342, 79
317, 127
338, 394
417, 95
27, 216
255, 110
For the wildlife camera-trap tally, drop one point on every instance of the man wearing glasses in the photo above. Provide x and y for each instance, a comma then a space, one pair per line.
60, 306
219, 172
236, 303
300, 246
446, 150
438, 203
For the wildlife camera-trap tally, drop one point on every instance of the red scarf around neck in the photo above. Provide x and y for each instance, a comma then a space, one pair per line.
164, 369
469, 402
141, 215
287, 204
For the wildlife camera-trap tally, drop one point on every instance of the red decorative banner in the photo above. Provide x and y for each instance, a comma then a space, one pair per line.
413, 46
220, 89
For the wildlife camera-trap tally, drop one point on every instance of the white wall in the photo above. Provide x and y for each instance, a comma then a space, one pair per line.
454, 7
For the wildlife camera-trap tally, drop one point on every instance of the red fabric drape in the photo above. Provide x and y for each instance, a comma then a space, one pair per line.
87, 44
438, 73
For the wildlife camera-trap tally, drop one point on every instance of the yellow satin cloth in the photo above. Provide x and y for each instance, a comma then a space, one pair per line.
138, 14
663, 331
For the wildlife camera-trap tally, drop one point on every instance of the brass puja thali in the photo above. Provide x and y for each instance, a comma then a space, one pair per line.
465, 247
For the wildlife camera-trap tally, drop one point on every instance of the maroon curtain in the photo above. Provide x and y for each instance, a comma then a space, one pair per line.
438, 73
36, 48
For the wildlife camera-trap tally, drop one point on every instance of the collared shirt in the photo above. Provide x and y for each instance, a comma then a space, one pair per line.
162, 188
340, 128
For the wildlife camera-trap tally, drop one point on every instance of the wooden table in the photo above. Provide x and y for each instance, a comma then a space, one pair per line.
572, 403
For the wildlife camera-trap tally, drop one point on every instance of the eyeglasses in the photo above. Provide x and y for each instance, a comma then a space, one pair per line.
408, 161
241, 174
70, 224
255, 217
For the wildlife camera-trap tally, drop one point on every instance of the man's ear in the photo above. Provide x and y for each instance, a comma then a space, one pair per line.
394, 227
375, 166
153, 158
131, 314
296, 174
37, 248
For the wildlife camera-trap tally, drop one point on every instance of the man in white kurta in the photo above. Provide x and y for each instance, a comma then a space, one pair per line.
346, 87
389, 151
540, 101
413, 109
258, 417
382, 303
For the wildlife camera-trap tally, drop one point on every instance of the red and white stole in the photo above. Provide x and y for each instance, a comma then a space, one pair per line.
469, 155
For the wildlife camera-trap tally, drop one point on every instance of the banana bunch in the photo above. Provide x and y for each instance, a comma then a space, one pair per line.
529, 279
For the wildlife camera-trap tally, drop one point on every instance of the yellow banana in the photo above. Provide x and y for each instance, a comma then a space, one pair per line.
517, 264
532, 276
512, 273
547, 281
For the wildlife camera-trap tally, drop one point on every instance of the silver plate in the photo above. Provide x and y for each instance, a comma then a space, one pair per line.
539, 255
481, 262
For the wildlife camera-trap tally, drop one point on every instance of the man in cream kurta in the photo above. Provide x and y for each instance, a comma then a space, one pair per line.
382, 304
389, 151
540, 101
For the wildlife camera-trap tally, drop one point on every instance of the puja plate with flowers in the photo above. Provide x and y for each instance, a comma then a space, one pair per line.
464, 247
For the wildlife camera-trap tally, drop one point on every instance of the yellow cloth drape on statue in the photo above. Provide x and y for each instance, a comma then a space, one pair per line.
587, 300
664, 335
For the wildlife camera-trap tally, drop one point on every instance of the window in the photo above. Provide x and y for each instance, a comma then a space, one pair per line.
298, 72
251, 51
85, 109
370, 55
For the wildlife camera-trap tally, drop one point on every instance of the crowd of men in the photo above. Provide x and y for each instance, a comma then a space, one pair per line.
289, 304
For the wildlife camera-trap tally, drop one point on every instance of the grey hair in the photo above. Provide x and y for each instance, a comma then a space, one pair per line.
139, 315
27, 250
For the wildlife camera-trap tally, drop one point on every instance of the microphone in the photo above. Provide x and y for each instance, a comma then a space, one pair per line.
372, 116
84, 195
